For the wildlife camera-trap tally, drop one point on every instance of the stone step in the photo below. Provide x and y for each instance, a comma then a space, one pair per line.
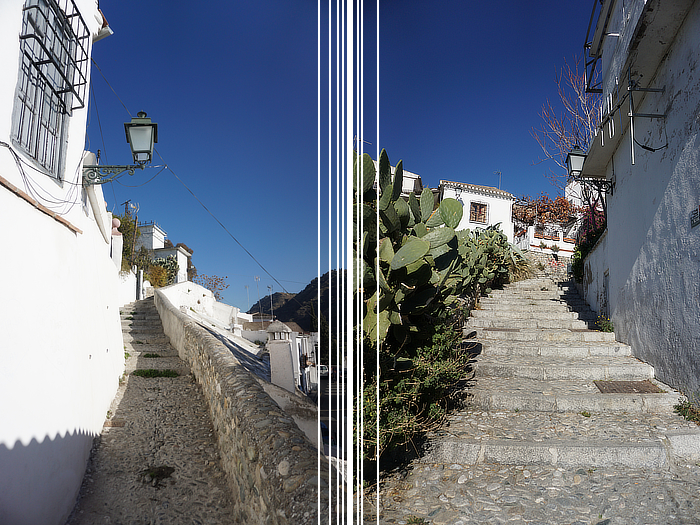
140, 317
149, 314
140, 322
533, 305
573, 302
138, 348
553, 307
528, 323
564, 439
145, 338
554, 368
141, 328
532, 284
573, 350
530, 313
494, 394
541, 336
534, 294
560, 453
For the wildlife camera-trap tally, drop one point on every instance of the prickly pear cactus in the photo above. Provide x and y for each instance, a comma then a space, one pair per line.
417, 272
414, 262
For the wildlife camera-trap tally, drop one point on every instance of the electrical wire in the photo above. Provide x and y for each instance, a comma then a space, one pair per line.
165, 166
110, 86
222, 225
649, 148
61, 206
99, 123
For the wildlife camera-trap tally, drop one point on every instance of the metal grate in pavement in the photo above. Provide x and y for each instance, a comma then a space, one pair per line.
628, 387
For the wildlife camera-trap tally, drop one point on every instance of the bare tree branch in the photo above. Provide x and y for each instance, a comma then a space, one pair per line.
575, 126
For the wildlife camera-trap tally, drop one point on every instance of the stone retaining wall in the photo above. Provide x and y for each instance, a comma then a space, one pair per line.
271, 466
549, 265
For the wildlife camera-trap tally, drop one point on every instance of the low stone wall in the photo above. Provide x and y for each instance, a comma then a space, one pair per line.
549, 265
271, 466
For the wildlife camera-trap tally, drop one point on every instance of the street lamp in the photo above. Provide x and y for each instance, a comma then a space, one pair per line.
141, 134
574, 162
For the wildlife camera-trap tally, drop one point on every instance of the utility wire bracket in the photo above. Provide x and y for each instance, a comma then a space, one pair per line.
632, 88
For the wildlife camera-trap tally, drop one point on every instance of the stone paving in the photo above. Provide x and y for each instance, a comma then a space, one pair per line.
157, 459
522, 458
517, 494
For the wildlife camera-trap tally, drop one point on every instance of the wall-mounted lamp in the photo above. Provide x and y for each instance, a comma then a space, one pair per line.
141, 134
574, 164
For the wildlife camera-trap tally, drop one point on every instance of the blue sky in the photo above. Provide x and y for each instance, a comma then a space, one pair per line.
233, 89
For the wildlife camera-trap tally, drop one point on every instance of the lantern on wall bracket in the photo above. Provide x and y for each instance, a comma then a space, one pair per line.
141, 134
574, 162
574, 165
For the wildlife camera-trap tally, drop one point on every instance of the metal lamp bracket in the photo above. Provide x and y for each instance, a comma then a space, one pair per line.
103, 174
604, 185
632, 87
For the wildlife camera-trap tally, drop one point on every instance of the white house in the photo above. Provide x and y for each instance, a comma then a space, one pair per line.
537, 235
153, 239
483, 206
645, 271
410, 183
546, 238
62, 351
293, 357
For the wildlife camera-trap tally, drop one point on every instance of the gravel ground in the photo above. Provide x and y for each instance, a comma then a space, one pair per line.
157, 459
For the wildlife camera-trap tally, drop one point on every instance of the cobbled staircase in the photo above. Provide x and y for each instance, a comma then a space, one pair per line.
534, 401
141, 325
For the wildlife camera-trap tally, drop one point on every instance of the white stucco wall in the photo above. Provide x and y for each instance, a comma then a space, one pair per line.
62, 349
653, 253
190, 295
596, 265
151, 236
500, 208
530, 241
255, 336
181, 258
127, 287
282, 364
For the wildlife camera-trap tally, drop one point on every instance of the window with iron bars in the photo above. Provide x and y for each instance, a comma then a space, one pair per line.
52, 80
478, 212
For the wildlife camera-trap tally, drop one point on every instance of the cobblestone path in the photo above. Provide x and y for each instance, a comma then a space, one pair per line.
538, 442
157, 459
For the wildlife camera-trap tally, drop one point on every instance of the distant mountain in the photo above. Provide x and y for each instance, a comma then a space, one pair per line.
263, 305
300, 307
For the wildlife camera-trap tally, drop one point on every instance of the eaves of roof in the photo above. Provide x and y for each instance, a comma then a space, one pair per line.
486, 190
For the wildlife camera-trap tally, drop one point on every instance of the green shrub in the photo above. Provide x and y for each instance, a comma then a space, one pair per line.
604, 324
419, 276
583, 249
150, 372
169, 264
157, 276
688, 411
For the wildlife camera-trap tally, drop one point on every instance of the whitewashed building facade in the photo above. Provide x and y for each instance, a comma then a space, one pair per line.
153, 237
645, 271
62, 351
484, 206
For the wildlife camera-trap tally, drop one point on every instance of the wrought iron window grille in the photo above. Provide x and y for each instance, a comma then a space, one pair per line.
52, 81
61, 54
